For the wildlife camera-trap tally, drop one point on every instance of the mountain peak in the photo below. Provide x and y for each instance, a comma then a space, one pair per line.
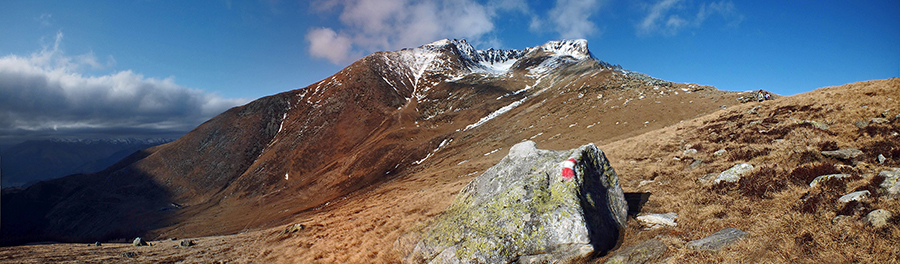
577, 48
492, 61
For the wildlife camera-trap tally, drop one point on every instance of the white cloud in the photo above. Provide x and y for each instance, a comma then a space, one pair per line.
46, 91
375, 25
327, 44
45, 19
657, 13
666, 16
725, 9
571, 18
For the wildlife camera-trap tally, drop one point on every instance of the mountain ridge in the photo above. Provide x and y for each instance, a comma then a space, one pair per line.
387, 117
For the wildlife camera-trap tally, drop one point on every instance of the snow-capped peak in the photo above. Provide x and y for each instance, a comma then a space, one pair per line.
577, 48
456, 57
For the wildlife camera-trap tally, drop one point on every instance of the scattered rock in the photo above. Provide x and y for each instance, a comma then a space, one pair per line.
861, 124
139, 242
648, 251
890, 187
734, 173
879, 120
526, 208
707, 179
815, 182
187, 243
654, 221
854, 196
897, 117
843, 154
645, 182
719, 152
689, 151
816, 124
293, 228
878, 218
886, 113
841, 218
97, 244
717, 240
696, 163
753, 110
129, 254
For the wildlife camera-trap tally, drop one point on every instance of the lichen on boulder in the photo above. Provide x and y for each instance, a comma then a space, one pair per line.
524, 209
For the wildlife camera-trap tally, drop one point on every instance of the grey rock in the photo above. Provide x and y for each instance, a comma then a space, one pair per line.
139, 242
719, 152
734, 173
648, 251
816, 124
523, 209
840, 218
658, 220
717, 240
129, 255
880, 158
815, 182
878, 218
707, 179
854, 196
897, 117
97, 244
564, 253
861, 124
187, 243
886, 113
890, 187
696, 163
688, 152
843, 154
879, 120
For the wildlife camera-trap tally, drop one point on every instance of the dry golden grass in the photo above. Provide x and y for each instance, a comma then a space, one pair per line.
769, 203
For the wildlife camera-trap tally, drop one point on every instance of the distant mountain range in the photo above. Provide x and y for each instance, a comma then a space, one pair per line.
26, 163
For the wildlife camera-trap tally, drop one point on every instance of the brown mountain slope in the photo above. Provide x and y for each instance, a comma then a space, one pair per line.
363, 157
368, 226
389, 115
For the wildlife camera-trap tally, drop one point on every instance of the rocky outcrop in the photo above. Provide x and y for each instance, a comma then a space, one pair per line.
533, 206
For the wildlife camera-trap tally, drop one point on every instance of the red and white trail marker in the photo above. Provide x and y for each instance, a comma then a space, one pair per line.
568, 170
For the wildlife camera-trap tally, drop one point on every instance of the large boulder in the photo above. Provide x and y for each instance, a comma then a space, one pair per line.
533, 206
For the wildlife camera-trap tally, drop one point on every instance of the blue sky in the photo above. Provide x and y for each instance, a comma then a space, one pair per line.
159, 68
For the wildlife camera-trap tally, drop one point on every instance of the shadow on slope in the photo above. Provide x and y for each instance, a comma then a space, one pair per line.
117, 203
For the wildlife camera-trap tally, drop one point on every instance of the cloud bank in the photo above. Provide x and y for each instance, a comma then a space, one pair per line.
45, 94
374, 25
